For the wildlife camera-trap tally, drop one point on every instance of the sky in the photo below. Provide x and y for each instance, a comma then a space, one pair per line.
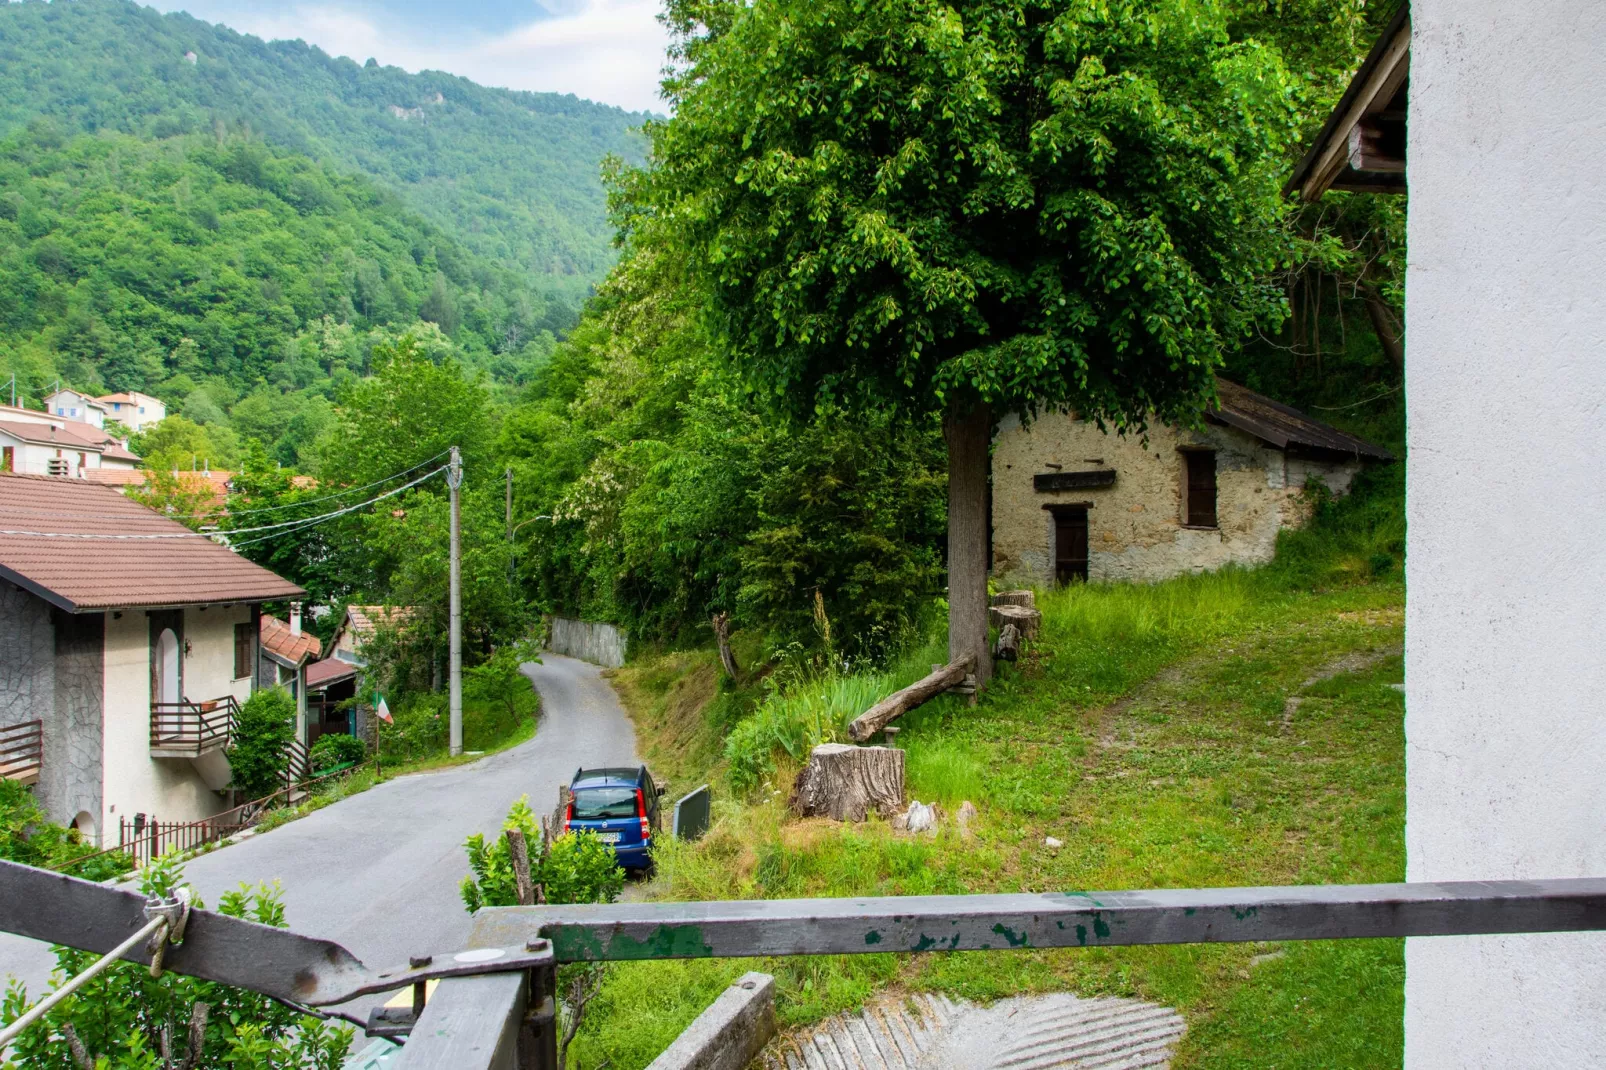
604, 50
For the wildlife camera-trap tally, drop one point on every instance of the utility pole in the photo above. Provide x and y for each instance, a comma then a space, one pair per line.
454, 480
512, 571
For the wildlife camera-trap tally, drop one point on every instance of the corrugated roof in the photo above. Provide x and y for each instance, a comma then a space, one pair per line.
1285, 427
291, 649
91, 574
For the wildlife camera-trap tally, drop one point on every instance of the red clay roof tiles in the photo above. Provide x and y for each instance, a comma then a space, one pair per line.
43, 522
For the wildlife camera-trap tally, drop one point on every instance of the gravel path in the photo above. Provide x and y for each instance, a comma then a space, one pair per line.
379, 872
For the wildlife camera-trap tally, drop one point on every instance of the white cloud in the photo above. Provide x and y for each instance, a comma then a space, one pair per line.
604, 50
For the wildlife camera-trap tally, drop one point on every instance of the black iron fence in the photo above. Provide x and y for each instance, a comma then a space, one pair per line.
145, 839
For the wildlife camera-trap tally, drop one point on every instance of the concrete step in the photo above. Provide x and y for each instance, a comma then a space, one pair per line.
936, 1032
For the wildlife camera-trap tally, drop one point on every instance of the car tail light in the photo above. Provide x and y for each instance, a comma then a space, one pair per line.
641, 812
568, 816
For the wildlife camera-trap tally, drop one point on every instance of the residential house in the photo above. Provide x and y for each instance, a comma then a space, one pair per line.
127, 642
134, 410
332, 684
36, 443
1072, 501
73, 405
287, 651
1490, 112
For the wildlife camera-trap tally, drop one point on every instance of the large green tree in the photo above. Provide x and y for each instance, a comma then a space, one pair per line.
973, 206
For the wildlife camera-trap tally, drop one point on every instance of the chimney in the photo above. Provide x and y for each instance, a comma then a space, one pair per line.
295, 618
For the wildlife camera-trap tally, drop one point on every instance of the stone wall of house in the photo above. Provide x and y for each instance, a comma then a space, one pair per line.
70, 782
1135, 528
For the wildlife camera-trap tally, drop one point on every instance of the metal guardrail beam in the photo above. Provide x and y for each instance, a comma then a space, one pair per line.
1076, 919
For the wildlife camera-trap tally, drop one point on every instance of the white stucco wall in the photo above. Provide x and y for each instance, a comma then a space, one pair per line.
1506, 366
168, 788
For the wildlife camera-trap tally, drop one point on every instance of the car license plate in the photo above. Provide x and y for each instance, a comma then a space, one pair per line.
608, 837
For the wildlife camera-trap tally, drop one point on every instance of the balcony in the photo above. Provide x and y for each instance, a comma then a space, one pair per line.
192, 729
22, 752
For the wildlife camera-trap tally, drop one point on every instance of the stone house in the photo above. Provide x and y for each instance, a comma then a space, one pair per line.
127, 643
1073, 502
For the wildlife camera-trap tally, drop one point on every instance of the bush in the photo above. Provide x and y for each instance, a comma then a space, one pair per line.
420, 726
25, 836
331, 751
121, 1015
580, 868
267, 725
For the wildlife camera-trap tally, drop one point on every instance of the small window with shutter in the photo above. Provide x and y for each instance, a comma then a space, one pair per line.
242, 651
1199, 505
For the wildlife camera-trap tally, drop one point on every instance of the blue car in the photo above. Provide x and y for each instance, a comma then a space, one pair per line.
619, 804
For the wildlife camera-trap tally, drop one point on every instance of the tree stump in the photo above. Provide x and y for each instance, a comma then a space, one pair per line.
1026, 621
845, 783
722, 636
1025, 598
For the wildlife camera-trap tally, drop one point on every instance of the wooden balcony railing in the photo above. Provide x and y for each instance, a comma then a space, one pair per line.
190, 729
22, 751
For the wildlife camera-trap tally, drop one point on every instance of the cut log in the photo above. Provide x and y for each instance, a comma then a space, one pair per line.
1008, 643
899, 703
519, 854
1026, 621
722, 635
845, 783
1025, 597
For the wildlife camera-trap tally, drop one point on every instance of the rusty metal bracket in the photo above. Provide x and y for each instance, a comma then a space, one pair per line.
276, 962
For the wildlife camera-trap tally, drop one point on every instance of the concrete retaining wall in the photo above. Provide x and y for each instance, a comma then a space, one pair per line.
600, 644
730, 1033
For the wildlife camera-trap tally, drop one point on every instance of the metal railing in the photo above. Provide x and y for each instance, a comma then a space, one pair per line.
495, 1008
190, 729
22, 751
146, 839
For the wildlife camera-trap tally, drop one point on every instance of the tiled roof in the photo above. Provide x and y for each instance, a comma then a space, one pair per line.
1284, 427
53, 435
321, 674
291, 649
365, 619
116, 477
39, 516
216, 481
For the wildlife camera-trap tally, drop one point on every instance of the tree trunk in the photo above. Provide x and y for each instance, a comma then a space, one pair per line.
1384, 323
845, 783
1026, 621
722, 635
968, 431
899, 703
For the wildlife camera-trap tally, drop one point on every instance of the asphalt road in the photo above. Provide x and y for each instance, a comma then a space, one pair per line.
379, 872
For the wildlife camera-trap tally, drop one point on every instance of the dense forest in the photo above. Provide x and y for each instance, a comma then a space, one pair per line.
511, 175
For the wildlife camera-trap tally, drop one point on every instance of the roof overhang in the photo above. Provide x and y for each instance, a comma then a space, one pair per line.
66, 605
1362, 144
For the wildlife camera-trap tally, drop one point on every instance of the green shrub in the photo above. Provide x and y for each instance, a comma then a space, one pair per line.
267, 725
25, 836
420, 726
331, 751
120, 1016
579, 868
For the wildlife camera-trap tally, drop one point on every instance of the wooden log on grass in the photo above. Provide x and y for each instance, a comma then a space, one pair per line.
899, 703
845, 783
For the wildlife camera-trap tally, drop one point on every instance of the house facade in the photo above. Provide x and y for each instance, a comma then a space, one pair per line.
127, 643
287, 651
1073, 502
333, 683
39, 443
73, 405
133, 410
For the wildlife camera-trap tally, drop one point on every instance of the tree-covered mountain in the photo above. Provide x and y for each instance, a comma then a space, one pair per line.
512, 175
240, 282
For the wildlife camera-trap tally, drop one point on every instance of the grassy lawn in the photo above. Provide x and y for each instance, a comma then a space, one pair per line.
1237, 728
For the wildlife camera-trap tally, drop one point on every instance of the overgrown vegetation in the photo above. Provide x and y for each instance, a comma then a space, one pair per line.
1151, 731
125, 1018
27, 836
256, 754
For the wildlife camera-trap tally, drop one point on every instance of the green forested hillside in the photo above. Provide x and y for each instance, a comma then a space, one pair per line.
229, 275
512, 175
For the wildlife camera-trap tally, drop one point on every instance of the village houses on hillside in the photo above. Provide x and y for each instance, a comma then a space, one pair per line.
42, 444
1074, 502
127, 643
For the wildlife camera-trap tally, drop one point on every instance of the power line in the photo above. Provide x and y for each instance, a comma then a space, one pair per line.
294, 524
223, 510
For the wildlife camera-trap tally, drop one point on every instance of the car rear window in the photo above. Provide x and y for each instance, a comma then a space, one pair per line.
599, 804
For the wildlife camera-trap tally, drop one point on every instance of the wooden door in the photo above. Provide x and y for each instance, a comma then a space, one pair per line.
1070, 543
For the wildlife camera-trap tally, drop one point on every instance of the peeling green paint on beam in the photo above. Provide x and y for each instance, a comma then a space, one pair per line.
581, 944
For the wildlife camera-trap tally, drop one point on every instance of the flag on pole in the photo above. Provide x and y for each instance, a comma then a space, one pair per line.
383, 711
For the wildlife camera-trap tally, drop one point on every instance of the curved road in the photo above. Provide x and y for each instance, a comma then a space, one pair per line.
379, 872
